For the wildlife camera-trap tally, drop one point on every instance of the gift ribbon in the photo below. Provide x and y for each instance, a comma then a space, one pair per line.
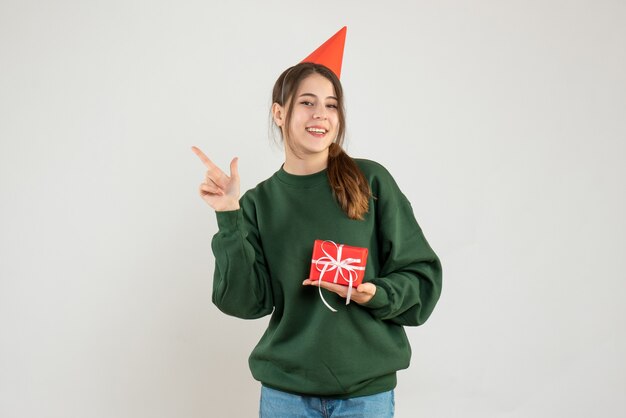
340, 266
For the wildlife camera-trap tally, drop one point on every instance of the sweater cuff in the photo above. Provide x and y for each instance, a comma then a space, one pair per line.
379, 300
229, 220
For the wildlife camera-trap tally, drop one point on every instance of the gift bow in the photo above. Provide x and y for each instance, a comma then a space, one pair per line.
340, 266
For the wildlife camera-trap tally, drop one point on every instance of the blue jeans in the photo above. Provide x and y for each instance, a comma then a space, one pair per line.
278, 404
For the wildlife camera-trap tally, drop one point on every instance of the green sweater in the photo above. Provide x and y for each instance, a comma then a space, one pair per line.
263, 253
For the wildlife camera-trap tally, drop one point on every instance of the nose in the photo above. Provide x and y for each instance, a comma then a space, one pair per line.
319, 112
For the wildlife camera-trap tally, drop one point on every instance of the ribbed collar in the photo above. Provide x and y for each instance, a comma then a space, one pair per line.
307, 180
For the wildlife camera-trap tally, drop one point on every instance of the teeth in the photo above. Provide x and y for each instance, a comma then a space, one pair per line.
316, 130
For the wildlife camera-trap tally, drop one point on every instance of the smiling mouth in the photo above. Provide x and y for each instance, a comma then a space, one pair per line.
316, 131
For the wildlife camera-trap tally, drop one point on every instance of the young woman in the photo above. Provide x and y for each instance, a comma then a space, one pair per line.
312, 361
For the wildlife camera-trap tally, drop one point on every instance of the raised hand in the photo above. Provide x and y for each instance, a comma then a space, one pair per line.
220, 191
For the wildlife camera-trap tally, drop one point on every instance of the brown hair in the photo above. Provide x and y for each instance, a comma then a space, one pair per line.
349, 186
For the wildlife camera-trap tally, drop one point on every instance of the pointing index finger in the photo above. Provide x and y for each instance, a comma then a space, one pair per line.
205, 160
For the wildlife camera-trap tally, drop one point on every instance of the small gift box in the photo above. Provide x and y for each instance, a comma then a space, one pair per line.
338, 263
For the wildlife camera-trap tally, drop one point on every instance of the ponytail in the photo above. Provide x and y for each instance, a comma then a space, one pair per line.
349, 185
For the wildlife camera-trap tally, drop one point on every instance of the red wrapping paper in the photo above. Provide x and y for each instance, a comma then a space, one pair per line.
338, 263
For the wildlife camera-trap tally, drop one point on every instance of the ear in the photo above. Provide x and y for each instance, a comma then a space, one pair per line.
278, 113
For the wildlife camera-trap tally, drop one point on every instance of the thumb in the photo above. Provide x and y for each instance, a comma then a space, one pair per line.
368, 288
234, 169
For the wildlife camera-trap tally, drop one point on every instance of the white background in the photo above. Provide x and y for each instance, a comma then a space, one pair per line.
504, 122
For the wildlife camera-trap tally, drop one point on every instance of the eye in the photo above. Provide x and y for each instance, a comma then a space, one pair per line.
332, 106
306, 103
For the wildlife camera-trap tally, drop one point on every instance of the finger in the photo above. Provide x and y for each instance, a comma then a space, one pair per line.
208, 180
205, 160
368, 288
336, 288
212, 183
214, 173
216, 176
211, 188
234, 167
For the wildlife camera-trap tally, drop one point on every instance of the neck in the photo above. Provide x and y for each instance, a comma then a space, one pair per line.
308, 164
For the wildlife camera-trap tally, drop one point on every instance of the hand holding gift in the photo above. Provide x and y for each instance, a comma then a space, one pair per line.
362, 294
340, 269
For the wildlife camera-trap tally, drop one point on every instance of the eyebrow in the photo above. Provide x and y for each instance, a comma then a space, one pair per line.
312, 95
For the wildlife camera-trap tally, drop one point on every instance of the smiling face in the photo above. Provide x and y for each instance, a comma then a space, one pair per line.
314, 120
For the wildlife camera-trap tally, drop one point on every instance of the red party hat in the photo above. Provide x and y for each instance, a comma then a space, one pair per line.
330, 53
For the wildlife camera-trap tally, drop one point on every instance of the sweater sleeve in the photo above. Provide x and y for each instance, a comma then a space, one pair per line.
241, 284
409, 282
